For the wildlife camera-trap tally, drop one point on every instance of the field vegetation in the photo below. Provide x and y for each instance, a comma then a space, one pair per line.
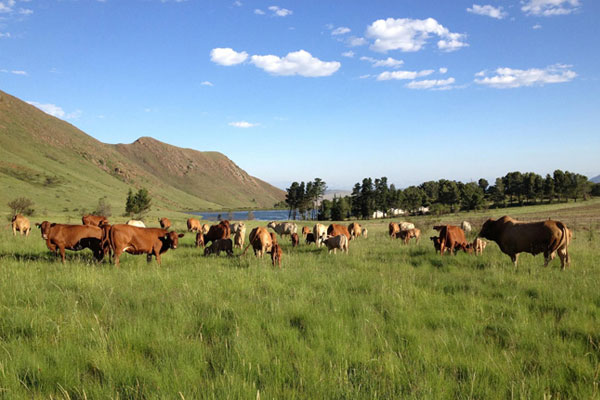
384, 321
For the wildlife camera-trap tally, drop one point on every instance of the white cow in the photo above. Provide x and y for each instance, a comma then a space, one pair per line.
319, 233
283, 228
404, 226
239, 231
466, 226
135, 222
336, 242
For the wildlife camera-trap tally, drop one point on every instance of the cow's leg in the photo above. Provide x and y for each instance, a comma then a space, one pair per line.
514, 258
27, 233
149, 257
62, 253
565, 260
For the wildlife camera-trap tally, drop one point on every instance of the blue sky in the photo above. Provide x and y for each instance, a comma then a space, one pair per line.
414, 90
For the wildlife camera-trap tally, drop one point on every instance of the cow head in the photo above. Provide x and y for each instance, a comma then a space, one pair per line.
45, 229
172, 239
488, 229
272, 224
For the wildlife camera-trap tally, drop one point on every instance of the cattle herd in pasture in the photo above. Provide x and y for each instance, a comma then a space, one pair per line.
97, 234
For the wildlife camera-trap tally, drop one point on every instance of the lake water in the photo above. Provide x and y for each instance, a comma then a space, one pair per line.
260, 215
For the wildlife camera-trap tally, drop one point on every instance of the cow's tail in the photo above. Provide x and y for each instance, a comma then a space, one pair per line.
246, 249
565, 240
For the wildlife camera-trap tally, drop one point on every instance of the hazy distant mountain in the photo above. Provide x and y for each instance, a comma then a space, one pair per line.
595, 179
330, 193
62, 168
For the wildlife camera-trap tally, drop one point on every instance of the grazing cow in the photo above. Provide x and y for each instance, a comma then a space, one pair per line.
94, 220
319, 233
218, 246
305, 231
273, 237
216, 232
365, 232
451, 238
276, 253
393, 229
310, 238
514, 237
335, 229
355, 230
205, 228
194, 225
466, 226
199, 239
164, 223
260, 240
337, 242
436, 243
134, 240
20, 223
283, 228
63, 237
135, 222
479, 245
238, 227
408, 234
404, 226
295, 239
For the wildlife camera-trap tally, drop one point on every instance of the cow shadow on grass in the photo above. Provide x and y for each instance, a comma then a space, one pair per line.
49, 257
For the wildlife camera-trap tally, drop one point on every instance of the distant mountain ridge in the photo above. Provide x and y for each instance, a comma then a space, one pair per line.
595, 179
59, 165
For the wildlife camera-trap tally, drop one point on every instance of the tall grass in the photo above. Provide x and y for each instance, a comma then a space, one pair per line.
385, 321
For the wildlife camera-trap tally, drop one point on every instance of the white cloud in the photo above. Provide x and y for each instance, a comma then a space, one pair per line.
443, 70
25, 11
227, 56
388, 62
407, 34
431, 84
14, 72
536, 26
6, 6
242, 124
280, 12
206, 83
56, 111
488, 11
513, 78
237, 3
342, 30
348, 54
548, 8
4, 35
356, 41
401, 75
258, 11
296, 63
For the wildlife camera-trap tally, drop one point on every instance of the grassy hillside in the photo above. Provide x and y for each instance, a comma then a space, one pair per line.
62, 168
384, 321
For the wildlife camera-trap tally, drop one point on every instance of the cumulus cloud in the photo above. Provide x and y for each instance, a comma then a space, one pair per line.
342, 30
488, 11
296, 63
505, 78
547, 8
227, 56
443, 70
55, 111
280, 12
356, 41
9, 7
4, 35
402, 75
388, 62
206, 83
258, 11
348, 54
431, 84
407, 35
536, 26
242, 124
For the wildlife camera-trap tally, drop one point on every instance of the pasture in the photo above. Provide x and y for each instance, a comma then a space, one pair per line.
385, 321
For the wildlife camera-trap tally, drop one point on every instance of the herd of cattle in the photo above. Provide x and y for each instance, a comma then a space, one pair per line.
96, 233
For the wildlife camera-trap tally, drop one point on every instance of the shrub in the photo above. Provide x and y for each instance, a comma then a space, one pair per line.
103, 208
21, 205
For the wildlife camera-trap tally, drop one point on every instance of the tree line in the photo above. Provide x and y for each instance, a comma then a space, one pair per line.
439, 197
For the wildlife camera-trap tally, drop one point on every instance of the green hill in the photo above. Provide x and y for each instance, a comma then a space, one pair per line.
63, 169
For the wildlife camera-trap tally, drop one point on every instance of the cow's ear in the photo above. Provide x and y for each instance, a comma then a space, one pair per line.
38, 225
180, 235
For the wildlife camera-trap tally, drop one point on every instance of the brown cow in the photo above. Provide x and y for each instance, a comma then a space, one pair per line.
63, 237
216, 232
194, 225
355, 230
199, 239
273, 237
335, 230
365, 233
218, 246
260, 240
20, 223
134, 240
305, 231
436, 243
408, 234
393, 229
452, 237
164, 223
514, 237
94, 220
479, 245
295, 239
276, 254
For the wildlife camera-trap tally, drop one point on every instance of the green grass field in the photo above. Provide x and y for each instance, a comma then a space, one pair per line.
385, 321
